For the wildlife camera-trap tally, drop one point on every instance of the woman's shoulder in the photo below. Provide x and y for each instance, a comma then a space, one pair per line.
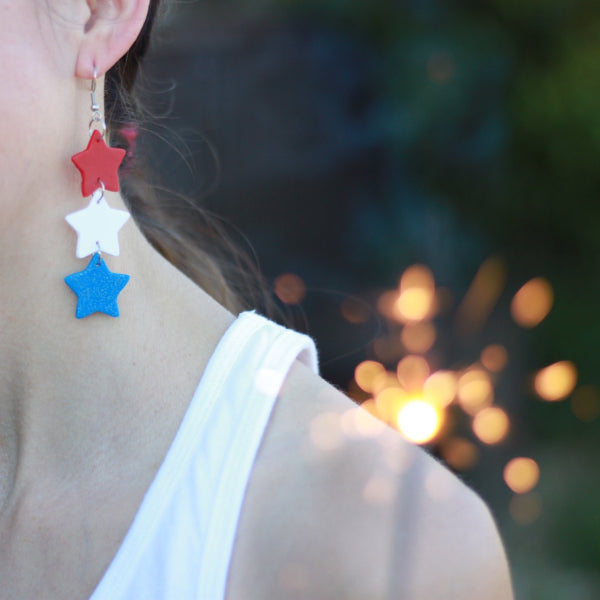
339, 505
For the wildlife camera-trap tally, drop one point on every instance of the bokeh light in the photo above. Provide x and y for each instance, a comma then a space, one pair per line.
366, 373
491, 425
494, 357
356, 392
389, 402
417, 277
556, 381
532, 303
414, 304
419, 421
459, 453
475, 391
417, 295
290, 288
385, 380
412, 372
521, 474
418, 338
440, 388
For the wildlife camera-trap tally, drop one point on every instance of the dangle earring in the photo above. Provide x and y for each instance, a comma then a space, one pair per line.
97, 225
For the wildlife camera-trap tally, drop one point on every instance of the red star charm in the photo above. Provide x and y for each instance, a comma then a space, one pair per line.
98, 163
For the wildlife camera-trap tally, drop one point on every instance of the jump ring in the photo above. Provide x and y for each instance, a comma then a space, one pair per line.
97, 119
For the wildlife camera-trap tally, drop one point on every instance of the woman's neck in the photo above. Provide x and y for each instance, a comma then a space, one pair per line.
80, 396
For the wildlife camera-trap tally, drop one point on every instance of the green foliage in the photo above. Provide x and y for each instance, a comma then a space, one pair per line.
575, 534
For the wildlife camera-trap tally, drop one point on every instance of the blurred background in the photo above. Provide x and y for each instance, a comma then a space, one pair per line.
419, 182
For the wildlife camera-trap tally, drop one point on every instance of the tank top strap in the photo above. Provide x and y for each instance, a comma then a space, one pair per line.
247, 397
181, 540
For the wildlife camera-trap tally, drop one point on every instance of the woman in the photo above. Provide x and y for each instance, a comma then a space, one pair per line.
120, 475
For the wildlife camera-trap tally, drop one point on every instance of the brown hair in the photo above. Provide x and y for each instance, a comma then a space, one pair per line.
188, 236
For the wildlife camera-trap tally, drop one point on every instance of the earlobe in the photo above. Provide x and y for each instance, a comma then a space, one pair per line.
109, 32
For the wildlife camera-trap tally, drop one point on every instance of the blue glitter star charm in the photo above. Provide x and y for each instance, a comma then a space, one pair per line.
97, 288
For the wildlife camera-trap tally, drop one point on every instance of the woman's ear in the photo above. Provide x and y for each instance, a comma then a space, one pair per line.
110, 30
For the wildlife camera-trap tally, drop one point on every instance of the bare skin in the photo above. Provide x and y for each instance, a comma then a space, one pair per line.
89, 408
371, 518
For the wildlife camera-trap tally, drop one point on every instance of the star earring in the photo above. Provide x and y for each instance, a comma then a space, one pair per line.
97, 225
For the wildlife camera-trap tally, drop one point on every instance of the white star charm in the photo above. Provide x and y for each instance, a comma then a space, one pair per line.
97, 227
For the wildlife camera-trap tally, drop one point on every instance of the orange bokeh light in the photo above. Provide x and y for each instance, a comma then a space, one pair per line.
366, 374
416, 299
414, 304
532, 303
418, 337
412, 372
417, 276
440, 388
459, 453
494, 358
389, 402
521, 474
386, 302
491, 425
385, 380
290, 288
475, 391
556, 381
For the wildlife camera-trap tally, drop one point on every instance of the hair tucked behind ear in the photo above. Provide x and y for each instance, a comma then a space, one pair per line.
187, 235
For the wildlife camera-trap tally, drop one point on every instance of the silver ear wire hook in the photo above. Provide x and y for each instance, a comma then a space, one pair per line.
95, 106
97, 118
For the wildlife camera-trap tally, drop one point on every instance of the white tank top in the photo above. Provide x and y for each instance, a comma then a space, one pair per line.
181, 540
